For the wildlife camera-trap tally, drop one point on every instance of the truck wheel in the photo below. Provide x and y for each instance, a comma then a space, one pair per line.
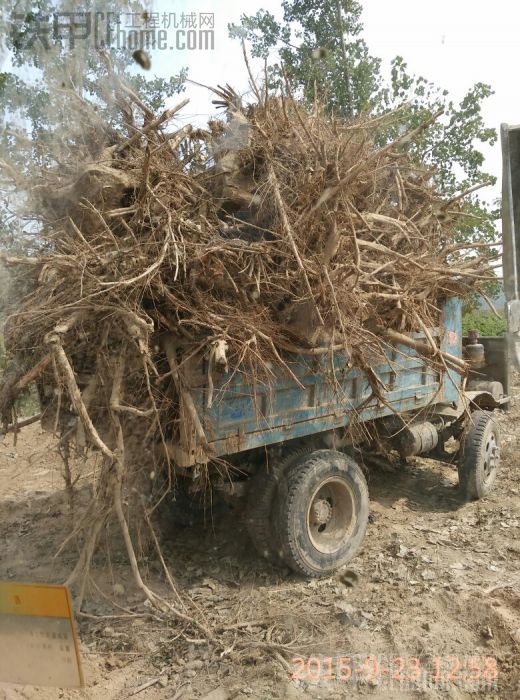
261, 497
324, 514
480, 456
262, 490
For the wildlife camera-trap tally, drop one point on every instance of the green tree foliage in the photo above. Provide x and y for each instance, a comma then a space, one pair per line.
321, 48
485, 322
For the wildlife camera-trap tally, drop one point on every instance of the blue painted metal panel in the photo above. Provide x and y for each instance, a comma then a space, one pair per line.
243, 416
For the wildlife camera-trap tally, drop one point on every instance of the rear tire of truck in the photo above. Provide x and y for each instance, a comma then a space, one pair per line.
261, 494
261, 500
322, 513
480, 456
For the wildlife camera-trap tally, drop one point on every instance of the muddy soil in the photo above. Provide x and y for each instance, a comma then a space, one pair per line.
429, 608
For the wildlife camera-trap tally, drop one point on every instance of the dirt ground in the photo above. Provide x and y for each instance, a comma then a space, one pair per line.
429, 608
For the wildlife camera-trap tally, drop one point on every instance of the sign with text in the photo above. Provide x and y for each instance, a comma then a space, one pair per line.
38, 640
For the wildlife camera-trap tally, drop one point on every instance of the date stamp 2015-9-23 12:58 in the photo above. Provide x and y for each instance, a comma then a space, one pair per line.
472, 673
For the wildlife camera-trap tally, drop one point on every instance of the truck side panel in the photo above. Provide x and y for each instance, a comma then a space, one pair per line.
243, 417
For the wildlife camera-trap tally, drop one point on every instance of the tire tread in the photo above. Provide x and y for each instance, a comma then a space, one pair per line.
470, 463
262, 494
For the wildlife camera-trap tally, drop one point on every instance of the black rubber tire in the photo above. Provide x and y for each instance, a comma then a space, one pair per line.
480, 456
261, 499
300, 484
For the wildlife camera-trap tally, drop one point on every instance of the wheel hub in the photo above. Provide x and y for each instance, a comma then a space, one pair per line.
330, 515
321, 512
491, 456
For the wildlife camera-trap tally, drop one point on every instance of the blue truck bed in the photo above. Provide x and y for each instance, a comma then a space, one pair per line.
243, 417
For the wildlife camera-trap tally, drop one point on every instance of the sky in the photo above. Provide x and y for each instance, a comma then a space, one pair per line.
453, 43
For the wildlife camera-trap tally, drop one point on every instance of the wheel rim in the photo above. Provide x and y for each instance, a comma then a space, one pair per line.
491, 457
330, 516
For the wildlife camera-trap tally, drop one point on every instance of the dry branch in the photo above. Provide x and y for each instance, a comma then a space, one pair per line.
152, 126
33, 373
21, 424
426, 349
